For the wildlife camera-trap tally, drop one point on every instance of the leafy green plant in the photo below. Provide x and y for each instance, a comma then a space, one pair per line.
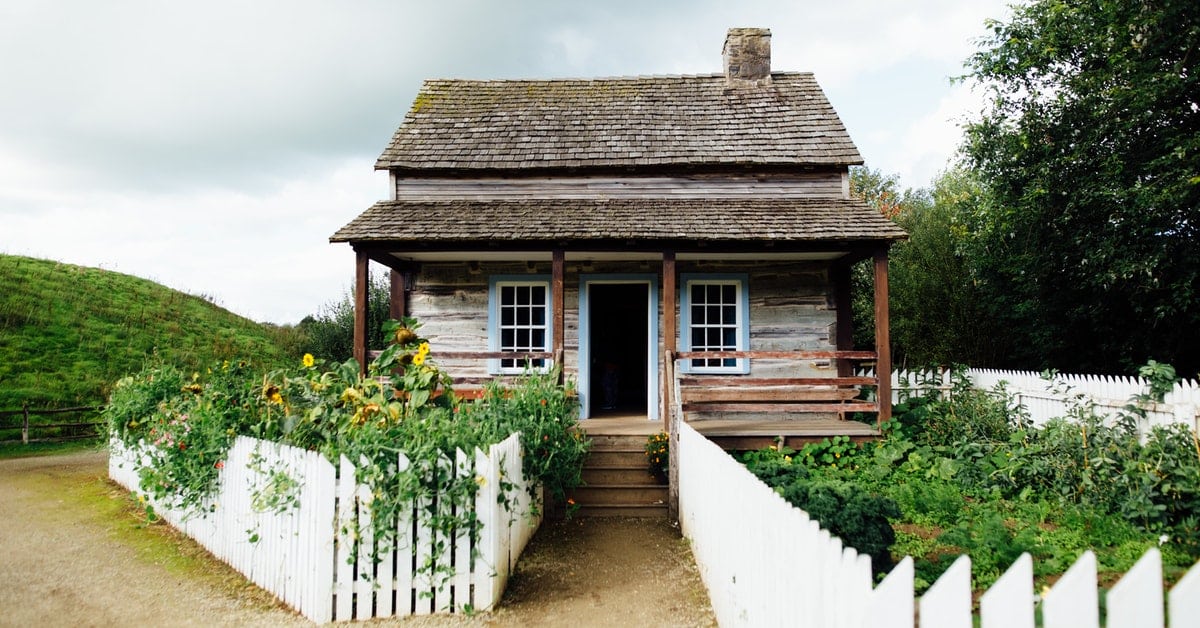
858, 517
403, 405
545, 413
658, 454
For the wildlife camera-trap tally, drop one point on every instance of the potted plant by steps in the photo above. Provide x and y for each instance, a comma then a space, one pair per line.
657, 455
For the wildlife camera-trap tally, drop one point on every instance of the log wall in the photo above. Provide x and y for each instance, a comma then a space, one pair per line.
827, 184
791, 308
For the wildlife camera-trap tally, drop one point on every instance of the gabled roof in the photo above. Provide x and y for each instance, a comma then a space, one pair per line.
619, 123
734, 220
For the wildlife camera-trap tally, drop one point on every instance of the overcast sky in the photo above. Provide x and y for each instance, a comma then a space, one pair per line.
215, 146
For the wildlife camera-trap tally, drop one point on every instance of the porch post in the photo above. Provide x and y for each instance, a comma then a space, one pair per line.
670, 333
670, 422
397, 306
883, 346
361, 285
556, 304
843, 304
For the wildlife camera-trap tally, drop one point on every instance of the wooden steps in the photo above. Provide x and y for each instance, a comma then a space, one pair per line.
617, 481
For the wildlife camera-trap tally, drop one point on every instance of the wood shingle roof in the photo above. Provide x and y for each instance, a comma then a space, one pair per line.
625, 219
618, 123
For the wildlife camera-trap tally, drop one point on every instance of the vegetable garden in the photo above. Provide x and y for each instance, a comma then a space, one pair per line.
965, 473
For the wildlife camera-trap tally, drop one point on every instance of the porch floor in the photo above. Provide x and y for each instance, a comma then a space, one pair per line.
739, 434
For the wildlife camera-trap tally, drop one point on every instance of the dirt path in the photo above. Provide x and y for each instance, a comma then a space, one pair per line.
73, 553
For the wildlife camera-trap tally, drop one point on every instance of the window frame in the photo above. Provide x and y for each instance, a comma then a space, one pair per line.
741, 281
495, 284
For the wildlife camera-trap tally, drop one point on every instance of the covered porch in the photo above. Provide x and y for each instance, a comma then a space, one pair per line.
739, 411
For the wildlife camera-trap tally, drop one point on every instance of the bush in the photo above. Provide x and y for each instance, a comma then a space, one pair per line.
403, 405
860, 518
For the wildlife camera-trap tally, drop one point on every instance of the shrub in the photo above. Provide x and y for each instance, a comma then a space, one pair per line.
403, 405
860, 518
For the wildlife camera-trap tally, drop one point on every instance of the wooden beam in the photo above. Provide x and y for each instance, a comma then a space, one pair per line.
670, 332
774, 394
670, 421
741, 380
843, 304
397, 305
883, 345
782, 408
558, 261
778, 355
361, 287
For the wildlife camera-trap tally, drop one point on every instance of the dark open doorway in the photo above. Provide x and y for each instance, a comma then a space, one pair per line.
618, 322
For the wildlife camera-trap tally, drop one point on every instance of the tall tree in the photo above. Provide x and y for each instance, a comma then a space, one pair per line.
937, 316
1091, 148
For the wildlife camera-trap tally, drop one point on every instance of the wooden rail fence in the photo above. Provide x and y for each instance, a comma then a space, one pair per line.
74, 430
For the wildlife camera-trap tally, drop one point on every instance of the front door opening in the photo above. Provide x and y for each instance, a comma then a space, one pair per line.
618, 340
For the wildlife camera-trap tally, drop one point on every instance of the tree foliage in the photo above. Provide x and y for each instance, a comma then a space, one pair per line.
1088, 257
330, 333
936, 314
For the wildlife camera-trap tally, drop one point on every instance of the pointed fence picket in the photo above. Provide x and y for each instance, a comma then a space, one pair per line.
766, 563
318, 557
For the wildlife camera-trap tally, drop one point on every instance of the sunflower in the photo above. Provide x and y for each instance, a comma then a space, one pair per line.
307, 360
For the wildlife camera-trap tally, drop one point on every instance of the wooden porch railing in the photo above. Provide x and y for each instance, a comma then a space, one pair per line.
700, 392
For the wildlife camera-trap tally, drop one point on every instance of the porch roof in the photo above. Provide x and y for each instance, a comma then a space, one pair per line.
732, 220
634, 122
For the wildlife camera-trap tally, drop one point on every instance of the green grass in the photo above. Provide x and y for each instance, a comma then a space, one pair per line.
68, 332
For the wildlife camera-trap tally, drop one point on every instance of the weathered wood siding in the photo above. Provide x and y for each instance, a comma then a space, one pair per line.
818, 184
791, 308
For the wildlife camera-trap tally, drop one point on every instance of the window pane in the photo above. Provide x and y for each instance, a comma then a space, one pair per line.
712, 337
523, 316
522, 295
506, 316
539, 316
729, 293
698, 315
729, 314
537, 295
713, 317
506, 339
712, 293
538, 337
522, 339
729, 338
507, 295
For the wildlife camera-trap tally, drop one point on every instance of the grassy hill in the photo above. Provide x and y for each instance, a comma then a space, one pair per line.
68, 332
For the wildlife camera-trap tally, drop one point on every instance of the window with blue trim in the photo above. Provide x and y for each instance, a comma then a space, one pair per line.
716, 318
519, 321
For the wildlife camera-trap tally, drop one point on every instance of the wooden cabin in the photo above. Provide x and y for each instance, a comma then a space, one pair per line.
672, 241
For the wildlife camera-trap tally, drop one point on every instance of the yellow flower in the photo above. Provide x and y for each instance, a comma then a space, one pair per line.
424, 348
480, 480
307, 360
271, 393
418, 359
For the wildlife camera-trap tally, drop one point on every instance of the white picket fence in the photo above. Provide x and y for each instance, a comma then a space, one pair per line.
766, 563
312, 559
1046, 399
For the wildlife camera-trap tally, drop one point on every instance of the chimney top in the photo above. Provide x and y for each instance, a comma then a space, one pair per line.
747, 55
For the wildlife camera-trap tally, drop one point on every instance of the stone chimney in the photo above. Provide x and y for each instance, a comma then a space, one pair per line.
747, 55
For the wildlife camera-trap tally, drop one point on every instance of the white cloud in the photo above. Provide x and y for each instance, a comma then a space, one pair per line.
215, 146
